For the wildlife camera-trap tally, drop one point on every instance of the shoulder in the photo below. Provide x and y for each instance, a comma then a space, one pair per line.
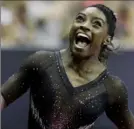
117, 90
38, 59
40, 55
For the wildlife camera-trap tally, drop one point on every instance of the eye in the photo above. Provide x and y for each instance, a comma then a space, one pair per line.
97, 24
80, 18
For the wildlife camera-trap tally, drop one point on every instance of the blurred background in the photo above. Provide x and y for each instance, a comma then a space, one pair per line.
45, 24
29, 26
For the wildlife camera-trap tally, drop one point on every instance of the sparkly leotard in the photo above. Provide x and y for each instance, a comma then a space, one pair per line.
54, 102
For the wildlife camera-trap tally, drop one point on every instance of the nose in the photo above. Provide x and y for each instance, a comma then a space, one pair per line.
86, 27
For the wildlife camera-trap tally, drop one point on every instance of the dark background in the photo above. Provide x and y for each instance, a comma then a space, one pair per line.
16, 115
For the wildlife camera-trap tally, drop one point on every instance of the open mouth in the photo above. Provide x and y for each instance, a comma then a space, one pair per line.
82, 40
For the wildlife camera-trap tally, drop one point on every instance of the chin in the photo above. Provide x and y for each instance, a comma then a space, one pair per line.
79, 54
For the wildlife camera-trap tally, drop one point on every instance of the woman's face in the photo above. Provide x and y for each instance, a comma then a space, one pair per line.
88, 32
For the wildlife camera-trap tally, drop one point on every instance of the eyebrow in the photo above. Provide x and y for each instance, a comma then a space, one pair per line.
81, 14
97, 18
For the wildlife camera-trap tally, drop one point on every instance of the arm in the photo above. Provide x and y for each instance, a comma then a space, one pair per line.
117, 109
17, 84
30, 74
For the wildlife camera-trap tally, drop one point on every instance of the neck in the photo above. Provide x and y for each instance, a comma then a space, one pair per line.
81, 66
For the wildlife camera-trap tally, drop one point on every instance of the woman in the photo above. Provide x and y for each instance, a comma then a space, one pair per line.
70, 89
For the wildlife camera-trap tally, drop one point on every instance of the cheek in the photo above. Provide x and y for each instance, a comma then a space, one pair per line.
72, 32
74, 28
98, 39
100, 36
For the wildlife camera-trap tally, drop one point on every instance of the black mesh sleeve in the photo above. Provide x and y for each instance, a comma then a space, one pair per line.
14, 87
29, 72
19, 83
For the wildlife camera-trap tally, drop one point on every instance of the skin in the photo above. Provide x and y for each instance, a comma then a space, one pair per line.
83, 65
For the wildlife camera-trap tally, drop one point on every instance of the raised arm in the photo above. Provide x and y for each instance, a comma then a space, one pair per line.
117, 109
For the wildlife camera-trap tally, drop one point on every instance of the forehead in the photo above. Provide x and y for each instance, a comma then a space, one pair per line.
94, 12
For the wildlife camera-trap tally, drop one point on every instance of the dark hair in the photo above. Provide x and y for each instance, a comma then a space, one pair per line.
110, 16
111, 20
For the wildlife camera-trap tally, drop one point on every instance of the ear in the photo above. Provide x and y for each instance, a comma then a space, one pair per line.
107, 40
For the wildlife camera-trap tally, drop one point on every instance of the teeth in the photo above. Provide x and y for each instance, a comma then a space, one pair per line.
82, 35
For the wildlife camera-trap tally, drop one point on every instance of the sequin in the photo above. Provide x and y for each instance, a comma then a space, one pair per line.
66, 108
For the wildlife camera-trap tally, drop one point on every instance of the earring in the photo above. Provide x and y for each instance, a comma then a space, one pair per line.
106, 42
